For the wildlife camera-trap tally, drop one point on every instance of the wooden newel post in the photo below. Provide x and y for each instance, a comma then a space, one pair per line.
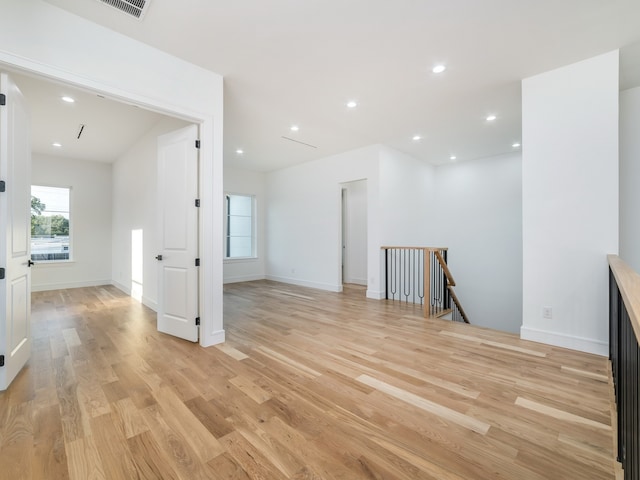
426, 282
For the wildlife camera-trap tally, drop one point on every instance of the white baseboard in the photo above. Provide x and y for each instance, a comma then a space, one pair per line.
121, 287
304, 283
146, 301
152, 304
62, 286
581, 344
375, 295
243, 278
212, 339
356, 281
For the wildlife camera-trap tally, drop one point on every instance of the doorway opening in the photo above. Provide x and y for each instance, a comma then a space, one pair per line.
354, 242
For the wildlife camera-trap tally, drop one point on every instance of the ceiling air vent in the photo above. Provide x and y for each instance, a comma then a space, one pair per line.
135, 8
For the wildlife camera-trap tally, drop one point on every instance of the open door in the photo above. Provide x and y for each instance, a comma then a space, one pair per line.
178, 233
15, 225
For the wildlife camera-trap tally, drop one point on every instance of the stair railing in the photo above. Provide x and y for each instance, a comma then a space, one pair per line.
624, 353
420, 275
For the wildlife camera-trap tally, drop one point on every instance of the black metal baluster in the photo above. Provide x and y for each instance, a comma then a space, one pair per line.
406, 277
386, 274
392, 270
433, 279
421, 276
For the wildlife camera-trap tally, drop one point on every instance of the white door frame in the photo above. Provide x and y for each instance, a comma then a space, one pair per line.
210, 273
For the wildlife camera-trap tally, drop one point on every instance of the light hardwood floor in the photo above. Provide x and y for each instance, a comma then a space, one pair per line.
309, 385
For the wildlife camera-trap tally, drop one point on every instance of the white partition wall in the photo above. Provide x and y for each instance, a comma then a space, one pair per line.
39, 38
569, 202
629, 175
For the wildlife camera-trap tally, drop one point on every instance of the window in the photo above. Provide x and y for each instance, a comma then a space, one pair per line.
50, 223
240, 226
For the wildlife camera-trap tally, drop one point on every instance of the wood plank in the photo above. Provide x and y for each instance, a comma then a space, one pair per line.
150, 461
128, 418
84, 460
211, 417
249, 458
16, 442
180, 419
232, 352
49, 454
250, 389
426, 405
174, 446
559, 414
112, 448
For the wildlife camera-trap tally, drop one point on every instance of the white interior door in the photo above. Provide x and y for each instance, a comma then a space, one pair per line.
15, 239
178, 233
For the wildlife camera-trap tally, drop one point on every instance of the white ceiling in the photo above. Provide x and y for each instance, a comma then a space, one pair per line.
298, 62
110, 128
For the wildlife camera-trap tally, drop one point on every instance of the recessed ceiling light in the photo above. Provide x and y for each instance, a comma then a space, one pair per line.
491, 118
67, 99
416, 138
452, 157
239, 151
56, 144
438, 69
352, 104
295, 128
516, 145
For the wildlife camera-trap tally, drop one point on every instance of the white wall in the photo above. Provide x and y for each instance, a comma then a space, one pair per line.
248, 183
135, 208
629, 175
303, 220
36, 37
354, 232
90, 221
479, 217
570, 201
407, 200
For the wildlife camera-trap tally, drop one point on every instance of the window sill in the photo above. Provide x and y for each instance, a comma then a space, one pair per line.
241, 260
52, 263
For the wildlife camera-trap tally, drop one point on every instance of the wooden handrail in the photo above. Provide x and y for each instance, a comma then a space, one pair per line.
457, 302
629, 285
427, 249
624, 351
445, 269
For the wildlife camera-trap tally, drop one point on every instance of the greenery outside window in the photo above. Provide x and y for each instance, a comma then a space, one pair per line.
240, 226
50, 232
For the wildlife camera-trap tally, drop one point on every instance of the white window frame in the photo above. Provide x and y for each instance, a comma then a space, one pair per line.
71, 248
254, 210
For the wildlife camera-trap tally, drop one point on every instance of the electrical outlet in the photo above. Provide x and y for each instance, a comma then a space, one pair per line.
547, 312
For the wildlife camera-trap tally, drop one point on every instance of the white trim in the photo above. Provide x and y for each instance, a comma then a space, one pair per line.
121, 287
244, 278
566, 341
375, 295
63, 286
240, 259
304, 283
146, 301
217, 337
